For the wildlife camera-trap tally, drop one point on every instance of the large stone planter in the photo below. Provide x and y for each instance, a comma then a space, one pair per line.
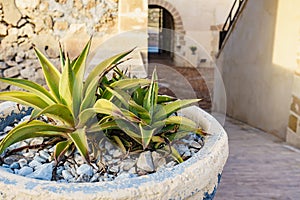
196, 178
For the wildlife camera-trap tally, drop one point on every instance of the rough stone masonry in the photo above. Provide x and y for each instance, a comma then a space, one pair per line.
28, 23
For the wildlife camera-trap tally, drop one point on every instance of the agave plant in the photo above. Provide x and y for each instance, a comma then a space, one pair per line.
70, 101
140, 119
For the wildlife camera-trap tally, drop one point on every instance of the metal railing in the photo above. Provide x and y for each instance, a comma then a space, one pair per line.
235, 10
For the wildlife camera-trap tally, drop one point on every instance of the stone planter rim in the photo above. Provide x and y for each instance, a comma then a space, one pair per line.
209, 160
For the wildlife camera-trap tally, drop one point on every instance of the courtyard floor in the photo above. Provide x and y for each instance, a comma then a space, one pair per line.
260, 166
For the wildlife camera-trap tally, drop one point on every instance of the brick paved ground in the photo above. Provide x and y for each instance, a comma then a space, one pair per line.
260, 166
185, 82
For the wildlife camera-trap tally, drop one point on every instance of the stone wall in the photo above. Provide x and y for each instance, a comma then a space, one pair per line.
43, 23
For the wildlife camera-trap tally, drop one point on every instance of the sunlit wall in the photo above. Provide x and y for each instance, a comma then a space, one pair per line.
287, 30
258, 64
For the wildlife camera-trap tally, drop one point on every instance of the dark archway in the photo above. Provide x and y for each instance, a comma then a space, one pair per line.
160, 33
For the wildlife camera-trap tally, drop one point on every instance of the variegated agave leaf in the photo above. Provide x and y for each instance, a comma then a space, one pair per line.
70, 100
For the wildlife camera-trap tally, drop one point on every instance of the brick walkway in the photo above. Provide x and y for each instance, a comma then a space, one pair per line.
260, 166
185, 82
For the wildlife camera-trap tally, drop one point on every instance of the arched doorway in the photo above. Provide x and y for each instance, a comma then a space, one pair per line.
171, 20
177, 76
160, 33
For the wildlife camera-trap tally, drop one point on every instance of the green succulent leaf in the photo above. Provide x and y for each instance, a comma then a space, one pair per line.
103, 126
52, 75
150, 100
139, 95
79, 70
102, 106
66, 84
180, 133
61, 56
119, 143
132, 117
90, 97
165, 99
147, 133
175, 154
121, 95
91, 83
60, 149
129, 83
132, 135
139, 111
131, 130
24, 98
79, 63
172, 107
158, 125
31, 87
181, 121
32, 129
171, 128
60, 111
80, 140
78, 98
158, 139
34, 113
103, 68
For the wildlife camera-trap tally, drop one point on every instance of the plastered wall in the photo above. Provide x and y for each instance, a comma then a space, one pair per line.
258, 62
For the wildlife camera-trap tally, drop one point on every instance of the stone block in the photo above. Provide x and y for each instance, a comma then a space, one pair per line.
293, 120
57, 14
47, 44
2, 65
48, 21
13, 31
44, 6
75, 39
22, 22
15, 88
133, 14
26, 30
78, 4
25, 45
3, 30
11, 72
11, 63
28, 72
27, 4
61, 1
293, 138
11, 13
19, 59
85, 2
39, 77
35, 64
90, 5
51, 52
3, 86
61, 25
8, 54
39, 24
8, 40
296, 86
295, 106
